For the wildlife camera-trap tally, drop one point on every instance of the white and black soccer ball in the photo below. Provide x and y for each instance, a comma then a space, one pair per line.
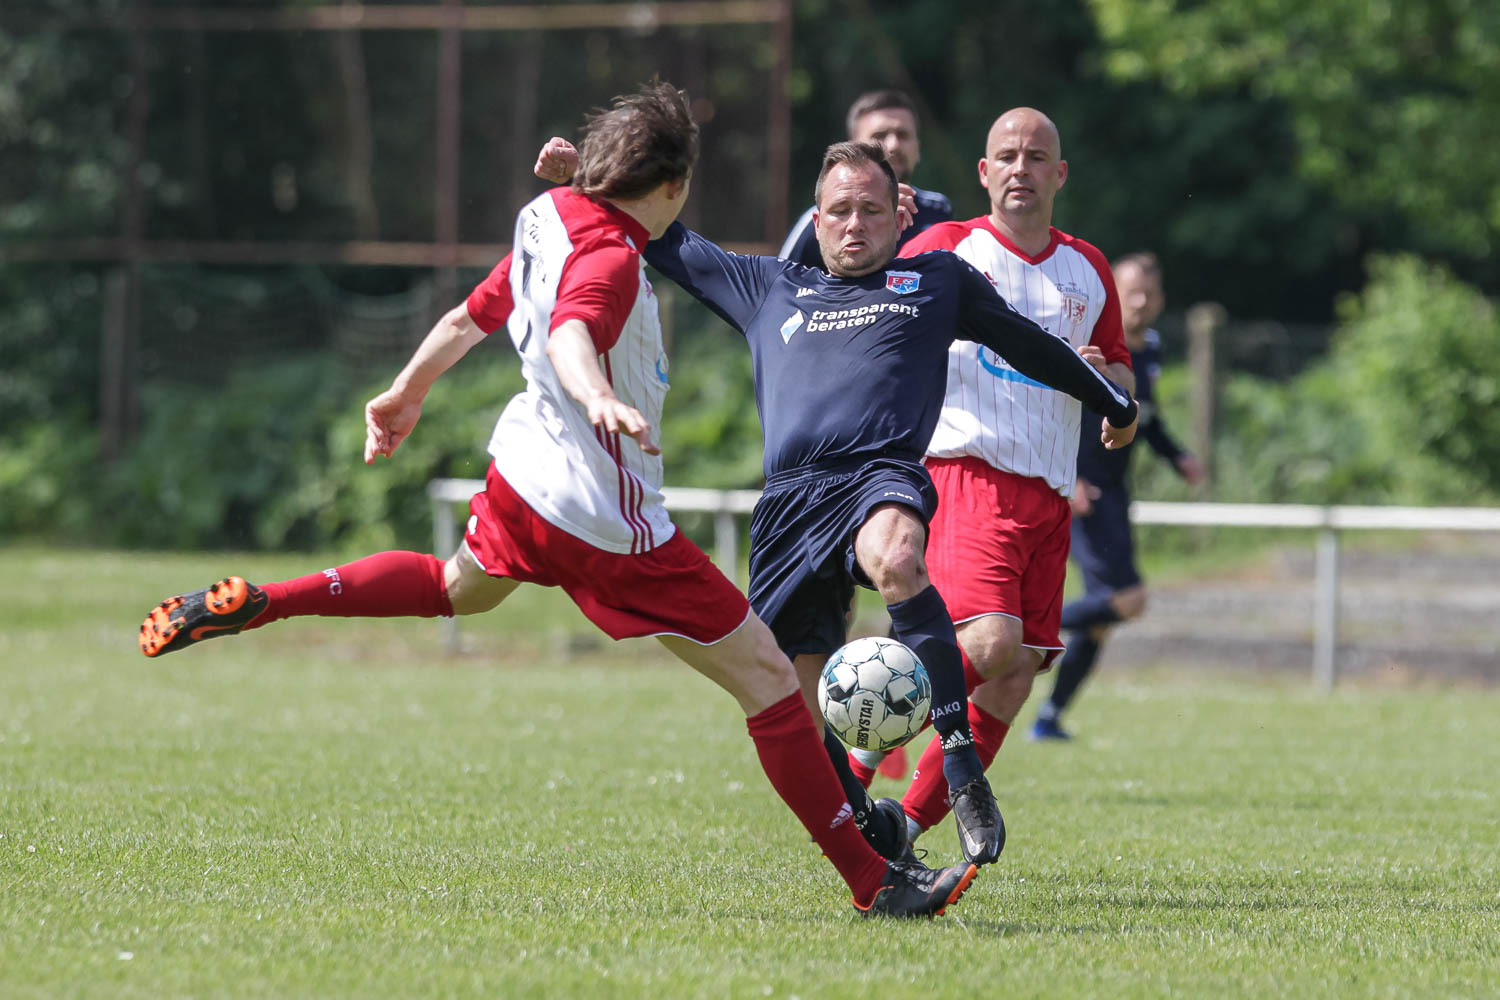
875, 693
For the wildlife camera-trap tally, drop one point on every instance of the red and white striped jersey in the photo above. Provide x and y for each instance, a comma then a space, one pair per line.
575, 258
992, 411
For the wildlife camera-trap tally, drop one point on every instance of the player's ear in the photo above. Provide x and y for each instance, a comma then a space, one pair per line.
984, 172
816, 216
1062, 172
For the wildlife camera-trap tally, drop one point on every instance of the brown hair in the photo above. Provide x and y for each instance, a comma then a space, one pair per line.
643, 140
878, 100
854, 154
1143, 259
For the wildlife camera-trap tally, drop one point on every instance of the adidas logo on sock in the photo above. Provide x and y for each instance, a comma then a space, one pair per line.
845, 814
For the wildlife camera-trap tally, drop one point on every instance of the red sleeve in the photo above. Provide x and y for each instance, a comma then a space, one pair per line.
1109, 329
943, 236
490, 303
599, 287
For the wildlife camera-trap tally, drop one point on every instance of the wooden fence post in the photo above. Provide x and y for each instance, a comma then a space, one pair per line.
1205, 321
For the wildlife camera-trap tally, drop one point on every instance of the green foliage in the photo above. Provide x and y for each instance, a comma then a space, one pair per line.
1416, 359
61, 98
273, 458
1403, 411
1389, 101
206, 462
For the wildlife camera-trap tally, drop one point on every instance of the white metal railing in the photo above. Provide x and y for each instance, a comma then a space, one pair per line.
727, 505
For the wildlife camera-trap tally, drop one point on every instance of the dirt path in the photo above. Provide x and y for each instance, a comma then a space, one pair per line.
1423, 614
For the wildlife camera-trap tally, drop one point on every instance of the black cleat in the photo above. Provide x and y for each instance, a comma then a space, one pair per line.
222, 609
884, 830
915, 891
981, 830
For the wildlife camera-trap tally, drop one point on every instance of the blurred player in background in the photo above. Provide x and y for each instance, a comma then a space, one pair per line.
850, 367
887, 118
1004, 454
1103, 543
573, 496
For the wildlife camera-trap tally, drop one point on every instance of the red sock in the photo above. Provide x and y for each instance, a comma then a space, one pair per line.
926, 801
971, 676
864, 773
385, 585
791, 751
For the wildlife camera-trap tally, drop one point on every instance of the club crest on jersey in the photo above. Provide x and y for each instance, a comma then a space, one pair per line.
1075, 307
902, 282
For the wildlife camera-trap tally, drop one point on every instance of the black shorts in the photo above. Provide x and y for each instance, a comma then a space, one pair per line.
802, 566
1104, 546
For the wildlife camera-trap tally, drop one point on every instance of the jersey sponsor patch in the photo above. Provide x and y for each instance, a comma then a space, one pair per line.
902, 282
791, 326
1001, 370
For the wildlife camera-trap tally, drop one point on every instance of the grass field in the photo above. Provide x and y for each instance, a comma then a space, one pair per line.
329, 808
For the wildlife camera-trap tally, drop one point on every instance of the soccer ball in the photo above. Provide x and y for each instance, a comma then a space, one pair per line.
875, 693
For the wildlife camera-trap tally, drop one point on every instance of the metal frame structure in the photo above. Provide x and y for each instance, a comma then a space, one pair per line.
444, 253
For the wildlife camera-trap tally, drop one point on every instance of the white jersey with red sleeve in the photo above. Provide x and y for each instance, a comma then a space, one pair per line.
992, 411
575, 258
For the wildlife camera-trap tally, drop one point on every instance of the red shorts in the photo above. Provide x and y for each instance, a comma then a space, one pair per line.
672, 589
999, 545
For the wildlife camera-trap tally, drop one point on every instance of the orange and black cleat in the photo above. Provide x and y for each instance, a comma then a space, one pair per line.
222, 609
913, 890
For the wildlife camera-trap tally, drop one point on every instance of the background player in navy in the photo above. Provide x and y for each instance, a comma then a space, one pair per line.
887, 118
1103, 546
850, 371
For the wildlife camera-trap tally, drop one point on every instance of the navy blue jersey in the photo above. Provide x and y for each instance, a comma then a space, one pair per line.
1108, 467
801, 246
849, 367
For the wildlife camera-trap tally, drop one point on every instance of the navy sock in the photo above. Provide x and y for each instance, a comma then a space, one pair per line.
1088, 611
1072, 667
922, 623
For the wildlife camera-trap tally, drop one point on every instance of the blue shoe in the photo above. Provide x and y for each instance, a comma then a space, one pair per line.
1047, 729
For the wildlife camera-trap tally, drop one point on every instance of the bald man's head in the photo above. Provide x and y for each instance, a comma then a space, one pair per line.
1023, 167
1029, 121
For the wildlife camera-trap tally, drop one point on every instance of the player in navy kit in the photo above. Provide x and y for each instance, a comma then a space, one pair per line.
887, 118
850, 370
1102, 541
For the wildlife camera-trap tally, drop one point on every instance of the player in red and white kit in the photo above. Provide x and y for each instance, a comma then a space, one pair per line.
573, 496
1004, 455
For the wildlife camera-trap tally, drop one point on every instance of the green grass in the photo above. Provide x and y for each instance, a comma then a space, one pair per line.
338, 809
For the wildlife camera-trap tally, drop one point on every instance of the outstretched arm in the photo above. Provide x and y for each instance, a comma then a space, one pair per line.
390, 416
1035, 353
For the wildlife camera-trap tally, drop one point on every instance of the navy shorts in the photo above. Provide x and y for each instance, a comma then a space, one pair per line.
1104, 546
802, 566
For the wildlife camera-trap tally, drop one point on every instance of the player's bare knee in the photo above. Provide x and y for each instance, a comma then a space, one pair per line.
993, 650
470, 590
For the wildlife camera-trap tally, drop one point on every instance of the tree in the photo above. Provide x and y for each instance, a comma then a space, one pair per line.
1390, 102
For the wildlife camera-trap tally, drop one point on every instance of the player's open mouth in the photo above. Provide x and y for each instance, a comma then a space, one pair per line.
854, 245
